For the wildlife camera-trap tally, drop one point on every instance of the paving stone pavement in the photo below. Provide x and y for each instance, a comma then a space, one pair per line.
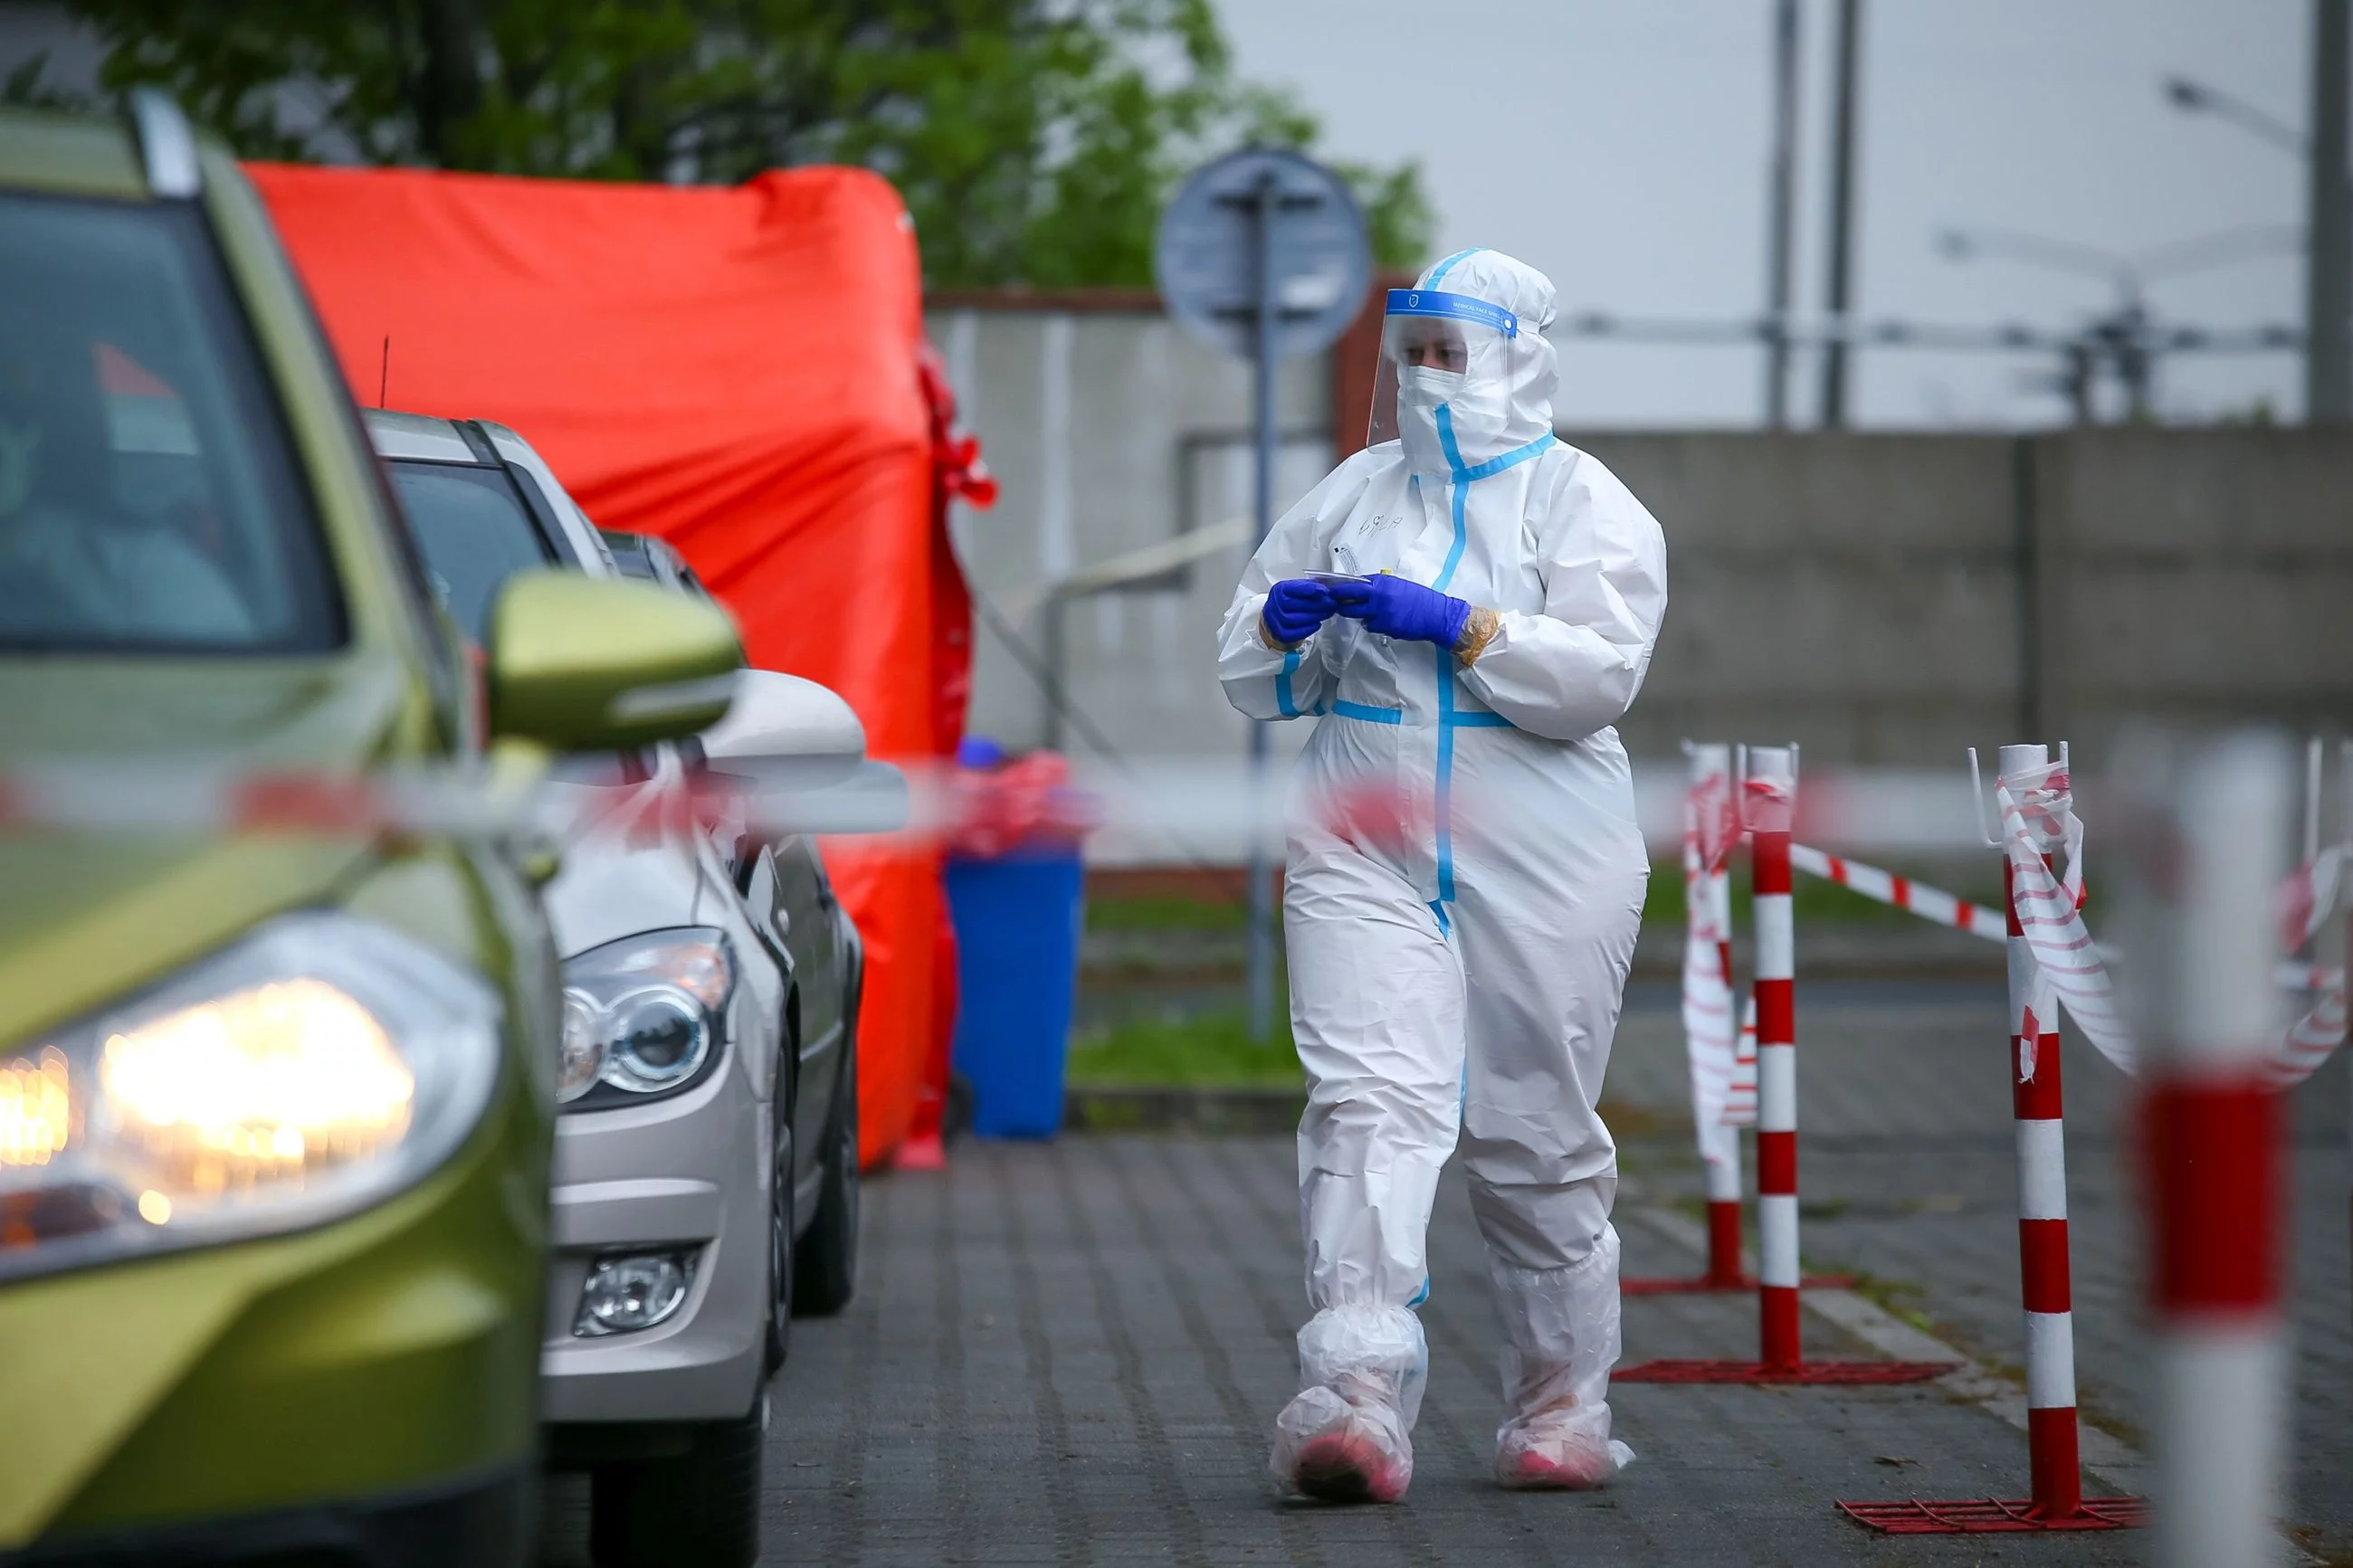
1070, 1353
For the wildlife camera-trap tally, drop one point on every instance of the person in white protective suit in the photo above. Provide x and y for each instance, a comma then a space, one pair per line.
1464, 608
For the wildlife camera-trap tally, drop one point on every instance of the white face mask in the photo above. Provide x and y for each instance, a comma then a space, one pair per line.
1421, 390
1422, 387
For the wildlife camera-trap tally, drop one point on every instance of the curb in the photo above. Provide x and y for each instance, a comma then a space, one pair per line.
2105, 1456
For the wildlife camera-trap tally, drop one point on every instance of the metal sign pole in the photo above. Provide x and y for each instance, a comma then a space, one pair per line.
1261, 891
1261, 255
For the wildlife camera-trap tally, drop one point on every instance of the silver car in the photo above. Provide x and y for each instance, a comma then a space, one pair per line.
706, 1167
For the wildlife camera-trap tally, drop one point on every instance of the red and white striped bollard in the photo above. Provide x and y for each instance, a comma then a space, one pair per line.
2036, 1102
2213, 1138
1768, 809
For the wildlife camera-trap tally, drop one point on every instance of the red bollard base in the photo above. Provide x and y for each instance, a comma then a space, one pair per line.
1699, 1284
1993, 1516
1847, 1373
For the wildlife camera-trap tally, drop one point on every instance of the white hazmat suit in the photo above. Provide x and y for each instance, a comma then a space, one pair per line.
1456, 970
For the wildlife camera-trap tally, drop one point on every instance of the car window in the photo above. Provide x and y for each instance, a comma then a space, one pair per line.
472, 530
149, 500
631, 559
551, 527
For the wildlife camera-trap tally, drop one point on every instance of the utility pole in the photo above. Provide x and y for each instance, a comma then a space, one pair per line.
1780, 208
1841, 275
1267, 290
2329, 270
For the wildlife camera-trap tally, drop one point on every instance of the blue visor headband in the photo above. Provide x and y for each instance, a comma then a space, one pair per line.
1455, 306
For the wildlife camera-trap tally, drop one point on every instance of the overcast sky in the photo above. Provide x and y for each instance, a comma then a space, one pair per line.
1621, 146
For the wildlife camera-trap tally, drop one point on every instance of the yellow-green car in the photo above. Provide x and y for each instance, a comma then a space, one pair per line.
275, 1069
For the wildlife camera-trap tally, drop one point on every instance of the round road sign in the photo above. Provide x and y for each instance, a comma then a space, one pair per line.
1206, 252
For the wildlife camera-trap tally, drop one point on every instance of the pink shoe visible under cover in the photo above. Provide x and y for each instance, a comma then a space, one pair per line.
1561, 1449
1574, 1467
1347, 1466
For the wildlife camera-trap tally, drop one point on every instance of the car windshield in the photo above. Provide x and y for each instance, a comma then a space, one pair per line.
148, 499
473, 531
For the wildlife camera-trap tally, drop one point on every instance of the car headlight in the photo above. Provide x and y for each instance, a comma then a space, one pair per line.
313, 1069
643, 1016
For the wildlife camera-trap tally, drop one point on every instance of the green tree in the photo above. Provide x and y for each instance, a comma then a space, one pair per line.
1034, 140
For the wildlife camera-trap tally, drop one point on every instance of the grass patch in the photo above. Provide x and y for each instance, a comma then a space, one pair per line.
1898, 1299
1213, 1050
1165, 913
1813, 902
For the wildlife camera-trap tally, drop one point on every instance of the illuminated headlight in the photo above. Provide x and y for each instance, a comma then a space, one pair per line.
315, 1068
643, 1014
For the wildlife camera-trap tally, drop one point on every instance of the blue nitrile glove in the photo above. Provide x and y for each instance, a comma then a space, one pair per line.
1399, 607
1295, 607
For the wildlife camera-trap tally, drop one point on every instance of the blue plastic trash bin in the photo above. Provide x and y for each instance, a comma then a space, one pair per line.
1017, 931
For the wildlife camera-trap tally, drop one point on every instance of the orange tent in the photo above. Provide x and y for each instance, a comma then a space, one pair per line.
742, 372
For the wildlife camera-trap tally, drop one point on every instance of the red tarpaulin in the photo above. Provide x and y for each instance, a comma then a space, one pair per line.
738, 371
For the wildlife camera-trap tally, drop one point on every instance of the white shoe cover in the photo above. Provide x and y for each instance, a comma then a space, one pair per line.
1567, 1448
1560, 1340
1345, 1436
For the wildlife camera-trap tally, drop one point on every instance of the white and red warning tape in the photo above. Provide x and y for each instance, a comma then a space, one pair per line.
505, 794
1710, 833
200, 795
2056, 934
1929, 903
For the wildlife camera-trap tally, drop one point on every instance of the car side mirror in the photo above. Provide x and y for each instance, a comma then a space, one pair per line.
588, 664
785, 733
802, 752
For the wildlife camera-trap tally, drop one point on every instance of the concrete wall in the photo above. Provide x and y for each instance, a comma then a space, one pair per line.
1109, 430
1883, 599
1890, 599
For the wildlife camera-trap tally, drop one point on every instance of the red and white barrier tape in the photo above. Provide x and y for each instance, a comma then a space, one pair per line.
200, 796
2038, 810
1901, 892
1708, 1033
505, 795
1740, 1100
2307, 900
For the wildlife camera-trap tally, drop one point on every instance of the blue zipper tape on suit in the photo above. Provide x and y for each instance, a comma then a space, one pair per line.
1367, 713
1283, 699
1438, 273
1449, 719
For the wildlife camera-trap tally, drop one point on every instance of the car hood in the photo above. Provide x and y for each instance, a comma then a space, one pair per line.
92, 914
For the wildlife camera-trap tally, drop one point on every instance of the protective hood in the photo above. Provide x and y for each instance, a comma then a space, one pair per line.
1503, 398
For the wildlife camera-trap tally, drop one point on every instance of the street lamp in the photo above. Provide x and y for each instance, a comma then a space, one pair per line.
2328, 200
2198, 97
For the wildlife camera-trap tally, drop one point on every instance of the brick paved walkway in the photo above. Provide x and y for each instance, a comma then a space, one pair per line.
1070, 1353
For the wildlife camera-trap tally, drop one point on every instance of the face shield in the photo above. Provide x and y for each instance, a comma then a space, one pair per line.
1439, 350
